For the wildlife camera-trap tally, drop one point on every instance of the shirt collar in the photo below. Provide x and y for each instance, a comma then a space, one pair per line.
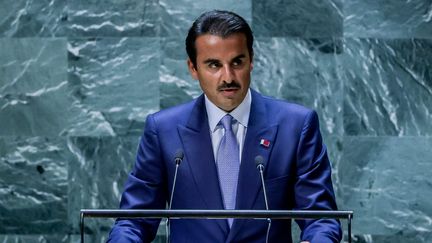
240, 113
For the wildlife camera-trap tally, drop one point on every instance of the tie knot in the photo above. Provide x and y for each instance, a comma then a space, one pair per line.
226, 122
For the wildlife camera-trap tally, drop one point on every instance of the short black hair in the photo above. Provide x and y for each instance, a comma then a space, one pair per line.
217, 22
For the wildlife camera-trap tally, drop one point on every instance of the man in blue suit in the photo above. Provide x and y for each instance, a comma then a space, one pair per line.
221, 132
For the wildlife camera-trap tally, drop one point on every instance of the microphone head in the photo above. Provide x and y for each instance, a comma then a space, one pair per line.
259, 161
178, 156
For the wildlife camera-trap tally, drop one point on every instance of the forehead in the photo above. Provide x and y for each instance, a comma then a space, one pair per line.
214, 46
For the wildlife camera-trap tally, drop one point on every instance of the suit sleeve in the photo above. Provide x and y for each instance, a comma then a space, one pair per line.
313, 187
145, 188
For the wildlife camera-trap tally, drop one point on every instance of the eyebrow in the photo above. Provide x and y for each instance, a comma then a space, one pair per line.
239, 56
212, 60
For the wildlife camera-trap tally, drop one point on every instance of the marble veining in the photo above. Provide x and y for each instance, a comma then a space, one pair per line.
114, 83
388, 18
301, 71
113, 18
33, 185
30, 18
33, 87
389, 87
297, 18
381, 177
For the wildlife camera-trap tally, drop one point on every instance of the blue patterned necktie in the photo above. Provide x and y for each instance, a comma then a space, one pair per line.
228, 164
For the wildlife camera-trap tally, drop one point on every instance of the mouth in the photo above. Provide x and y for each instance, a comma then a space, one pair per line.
229, 91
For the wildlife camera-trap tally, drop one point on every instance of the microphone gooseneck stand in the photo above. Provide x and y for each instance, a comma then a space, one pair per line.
177, 159
259, 161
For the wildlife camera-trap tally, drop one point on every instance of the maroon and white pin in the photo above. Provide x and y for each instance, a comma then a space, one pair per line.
265, 143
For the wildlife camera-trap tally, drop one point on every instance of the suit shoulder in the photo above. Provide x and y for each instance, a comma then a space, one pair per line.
167, 119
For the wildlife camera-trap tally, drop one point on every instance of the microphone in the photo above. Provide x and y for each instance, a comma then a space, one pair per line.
178, 158
259, 161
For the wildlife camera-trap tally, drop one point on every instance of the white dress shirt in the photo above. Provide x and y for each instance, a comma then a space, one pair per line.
240, 122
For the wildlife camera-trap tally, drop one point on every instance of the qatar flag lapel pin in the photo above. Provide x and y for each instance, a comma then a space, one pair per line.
265, 142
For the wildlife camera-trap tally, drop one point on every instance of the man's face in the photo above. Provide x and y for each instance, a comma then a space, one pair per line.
223, 68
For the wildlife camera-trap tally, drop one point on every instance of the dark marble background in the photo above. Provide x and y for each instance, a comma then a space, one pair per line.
78, 78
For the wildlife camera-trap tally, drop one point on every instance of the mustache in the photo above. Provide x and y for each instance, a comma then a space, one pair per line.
225, 85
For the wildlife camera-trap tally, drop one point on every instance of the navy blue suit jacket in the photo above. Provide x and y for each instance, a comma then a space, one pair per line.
297, 175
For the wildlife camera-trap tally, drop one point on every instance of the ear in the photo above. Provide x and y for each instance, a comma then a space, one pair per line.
192, 69
251, 62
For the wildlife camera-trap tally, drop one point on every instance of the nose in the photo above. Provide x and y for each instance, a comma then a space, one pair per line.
228, 74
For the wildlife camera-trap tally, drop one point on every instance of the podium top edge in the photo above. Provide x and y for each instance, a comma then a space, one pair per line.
195, 213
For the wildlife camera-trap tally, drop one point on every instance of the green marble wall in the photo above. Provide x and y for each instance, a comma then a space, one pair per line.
78, 78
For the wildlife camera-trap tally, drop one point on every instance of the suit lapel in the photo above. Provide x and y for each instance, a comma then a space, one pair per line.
198, 150
249, 184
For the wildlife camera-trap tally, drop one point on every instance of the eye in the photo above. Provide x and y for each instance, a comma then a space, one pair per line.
214, 65
237, 62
